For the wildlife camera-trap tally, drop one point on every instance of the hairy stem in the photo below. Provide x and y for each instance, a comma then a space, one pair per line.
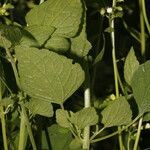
138, 134
22, 133
87, 103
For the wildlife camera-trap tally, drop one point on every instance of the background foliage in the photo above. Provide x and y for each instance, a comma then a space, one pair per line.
50, 53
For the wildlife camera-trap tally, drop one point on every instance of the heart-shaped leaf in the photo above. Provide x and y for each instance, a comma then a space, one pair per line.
47, 75
117, 113
85, 117
65, 16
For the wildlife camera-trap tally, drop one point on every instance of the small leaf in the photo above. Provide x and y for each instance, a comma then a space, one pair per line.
131, 65
4, 42
117, 113
80, 46
85, 117
75, 144
28, 39
60, 138
62, 118
47, 75
40, 106
141, 87
41, 32
58, 44
65, 16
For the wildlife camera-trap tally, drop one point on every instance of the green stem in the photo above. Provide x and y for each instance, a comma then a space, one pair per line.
145, 15
138, 134
117, 132
22, 133
13, 65
87, 103
24, 114
96, 133
29, 128
115, 68
3, 128
1, 79
142, 35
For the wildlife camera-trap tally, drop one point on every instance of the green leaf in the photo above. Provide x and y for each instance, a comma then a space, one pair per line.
146, 117
80, 46
12, 33
141, 87
131, 65
58, 44
28, 39
65, 16
60, 138
62, 118
41, 32
85, 117
117, 113
47, 75
4, 42
40, 106
75, 144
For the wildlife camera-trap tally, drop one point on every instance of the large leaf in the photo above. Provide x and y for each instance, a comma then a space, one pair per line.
39, 106
131, 65
41, 32
80, 46
117, 113
64, 15
47, 75
141, 87
60, 138
85, 117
